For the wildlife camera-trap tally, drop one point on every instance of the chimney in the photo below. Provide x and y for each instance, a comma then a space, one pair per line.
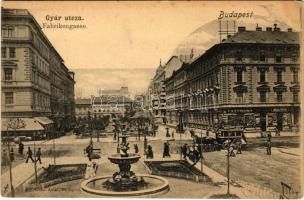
276, 28
241, 28
289, 29
258, 28
268, 29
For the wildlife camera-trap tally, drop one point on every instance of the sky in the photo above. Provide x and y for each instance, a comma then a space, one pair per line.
126, 36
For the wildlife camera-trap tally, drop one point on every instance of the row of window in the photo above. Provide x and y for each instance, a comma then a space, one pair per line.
262, 76
8, 52
40, 46
38, 99
263, 97
41, 100
7, 31
41, 65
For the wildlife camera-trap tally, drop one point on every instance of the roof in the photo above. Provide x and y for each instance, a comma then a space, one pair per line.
23, 124
254, 37
105, 100
267, 37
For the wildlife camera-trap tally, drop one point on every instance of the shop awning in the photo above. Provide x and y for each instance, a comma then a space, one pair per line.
44, 120
21, 124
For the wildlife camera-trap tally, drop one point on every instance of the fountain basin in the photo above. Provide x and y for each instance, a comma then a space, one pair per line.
118, 159
156, 185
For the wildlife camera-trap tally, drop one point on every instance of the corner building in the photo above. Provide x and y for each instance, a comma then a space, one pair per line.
251, 79
36, 85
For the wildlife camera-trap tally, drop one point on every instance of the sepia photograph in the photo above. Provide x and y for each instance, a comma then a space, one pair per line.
151, 99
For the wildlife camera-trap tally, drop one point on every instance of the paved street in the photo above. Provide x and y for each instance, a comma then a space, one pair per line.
260, 173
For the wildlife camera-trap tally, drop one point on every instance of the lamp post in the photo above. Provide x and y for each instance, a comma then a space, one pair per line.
35, 163
228, 165
10, 165
201, 150
179, 130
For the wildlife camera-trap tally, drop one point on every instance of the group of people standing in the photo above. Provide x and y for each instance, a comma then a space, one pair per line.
29, 154
193, 152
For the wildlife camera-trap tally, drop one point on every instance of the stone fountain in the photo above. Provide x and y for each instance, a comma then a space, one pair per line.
125, 182
125, 179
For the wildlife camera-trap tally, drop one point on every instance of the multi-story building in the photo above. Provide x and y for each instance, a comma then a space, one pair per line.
123, 91
249, 79
114, 106
157, 88
35, 82
157, 93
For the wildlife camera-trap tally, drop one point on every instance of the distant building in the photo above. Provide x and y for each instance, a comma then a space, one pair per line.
35, 81
250, 79
123, 91
114, 106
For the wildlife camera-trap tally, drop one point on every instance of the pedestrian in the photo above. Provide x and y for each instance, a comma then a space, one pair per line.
29, 155
185, 150
231, 151
166, 152
89, 151
38, 155
277, 131
136, 148
4, 158
12, 156
154, 131
167, 132
149, 153
172, 135
239, 147
196, 154
268, 147
269, 136
21, 148
91, 169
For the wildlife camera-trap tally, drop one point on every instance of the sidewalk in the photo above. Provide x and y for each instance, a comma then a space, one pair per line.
242, 189
24, 171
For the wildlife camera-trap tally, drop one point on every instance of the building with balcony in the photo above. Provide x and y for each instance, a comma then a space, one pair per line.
249, 79
35, 82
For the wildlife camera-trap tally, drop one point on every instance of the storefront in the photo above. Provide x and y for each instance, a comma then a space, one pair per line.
48, 125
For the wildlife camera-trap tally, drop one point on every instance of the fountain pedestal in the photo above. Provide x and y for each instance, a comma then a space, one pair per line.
125, 179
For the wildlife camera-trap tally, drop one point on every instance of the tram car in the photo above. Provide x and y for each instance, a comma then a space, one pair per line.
233, 135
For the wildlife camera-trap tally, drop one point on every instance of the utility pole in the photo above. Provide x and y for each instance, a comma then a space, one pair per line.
10, 164
54, 149
35, 163
202, 150
228, 167
14, 124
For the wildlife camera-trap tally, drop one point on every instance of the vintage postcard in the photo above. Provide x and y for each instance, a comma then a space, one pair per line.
151, 99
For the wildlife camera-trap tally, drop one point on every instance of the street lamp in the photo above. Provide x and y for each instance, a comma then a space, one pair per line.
180, 130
